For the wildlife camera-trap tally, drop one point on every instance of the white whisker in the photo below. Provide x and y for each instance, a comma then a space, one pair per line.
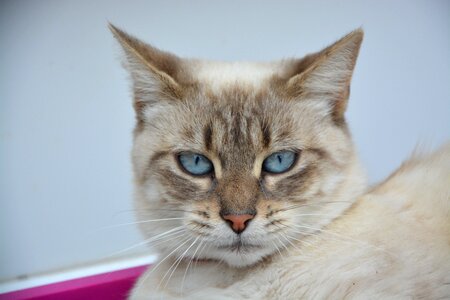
278, 250
303, 241
171, 236
318, 215
177, 263
200, 254
288, 239
321, 203
138, 222
348, 239
190, 262
149, 240
144, 278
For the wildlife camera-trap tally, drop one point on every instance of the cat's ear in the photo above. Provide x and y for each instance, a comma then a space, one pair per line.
326, 75
153, 71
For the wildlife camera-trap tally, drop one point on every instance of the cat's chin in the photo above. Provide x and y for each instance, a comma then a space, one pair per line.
242, 259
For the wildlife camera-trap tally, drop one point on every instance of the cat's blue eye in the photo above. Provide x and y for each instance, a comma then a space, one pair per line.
195, 163
279, 162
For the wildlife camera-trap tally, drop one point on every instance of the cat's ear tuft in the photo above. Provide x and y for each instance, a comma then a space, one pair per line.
326, 75
154, 72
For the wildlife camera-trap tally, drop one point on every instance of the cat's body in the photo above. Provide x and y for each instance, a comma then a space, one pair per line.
248, 184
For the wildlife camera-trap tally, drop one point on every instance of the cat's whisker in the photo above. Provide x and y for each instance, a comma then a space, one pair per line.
345, 238
173, 251
284, 245
153, 269
139, 222
183, 255
302, 232
176, 210
170, 232
278, 249
145, 243
175, 265
320, 203
288, 239
164, 234
189, 264
124, 211
171, 238
205, 245
303, 241
284, 236
316, 234
316, 215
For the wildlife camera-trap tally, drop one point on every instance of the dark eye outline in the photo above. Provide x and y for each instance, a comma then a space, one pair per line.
294, 162
210, 172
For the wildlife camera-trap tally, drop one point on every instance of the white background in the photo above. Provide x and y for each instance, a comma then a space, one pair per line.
66, 116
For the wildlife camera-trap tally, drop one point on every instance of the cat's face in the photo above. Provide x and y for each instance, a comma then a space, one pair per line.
237, 162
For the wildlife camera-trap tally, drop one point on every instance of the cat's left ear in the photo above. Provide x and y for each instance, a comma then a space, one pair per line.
325, 76
154, 72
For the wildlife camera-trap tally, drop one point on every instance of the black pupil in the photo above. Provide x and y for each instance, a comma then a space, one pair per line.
279, 158
197, 159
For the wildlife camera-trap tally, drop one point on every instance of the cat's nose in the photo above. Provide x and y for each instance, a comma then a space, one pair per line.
238, 222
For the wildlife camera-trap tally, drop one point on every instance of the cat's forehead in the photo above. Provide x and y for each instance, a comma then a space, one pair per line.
223, 75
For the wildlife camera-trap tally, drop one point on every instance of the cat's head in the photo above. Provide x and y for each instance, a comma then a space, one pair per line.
240, 161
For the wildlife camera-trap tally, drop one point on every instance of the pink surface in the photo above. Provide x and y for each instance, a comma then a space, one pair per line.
112, 285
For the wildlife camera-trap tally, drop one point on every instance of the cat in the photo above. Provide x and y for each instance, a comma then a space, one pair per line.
248, 184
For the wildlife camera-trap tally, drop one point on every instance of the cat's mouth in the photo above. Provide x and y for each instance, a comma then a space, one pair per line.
239, 246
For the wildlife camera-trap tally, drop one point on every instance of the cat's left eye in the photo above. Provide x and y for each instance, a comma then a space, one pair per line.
195, 164
279, 162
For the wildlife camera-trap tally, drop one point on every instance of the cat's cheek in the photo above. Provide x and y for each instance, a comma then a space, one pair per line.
209, 206
270, 182
267, 208
204, 184
151, 192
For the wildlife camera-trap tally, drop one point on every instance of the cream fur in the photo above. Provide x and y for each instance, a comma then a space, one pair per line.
218, 75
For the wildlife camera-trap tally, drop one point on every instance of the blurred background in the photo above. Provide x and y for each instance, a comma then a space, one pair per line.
66, 116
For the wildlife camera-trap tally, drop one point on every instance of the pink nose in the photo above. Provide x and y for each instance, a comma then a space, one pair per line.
238, 222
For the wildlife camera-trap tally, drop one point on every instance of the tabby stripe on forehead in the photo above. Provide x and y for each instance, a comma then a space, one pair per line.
249, 130
207, 136
266, 134
236, 132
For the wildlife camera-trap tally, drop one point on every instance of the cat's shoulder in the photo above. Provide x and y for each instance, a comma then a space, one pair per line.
423, 173
420, 185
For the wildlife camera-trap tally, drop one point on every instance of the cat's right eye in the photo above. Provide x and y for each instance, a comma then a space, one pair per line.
195, 164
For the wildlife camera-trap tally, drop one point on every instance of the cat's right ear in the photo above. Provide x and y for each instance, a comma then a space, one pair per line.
153, 72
